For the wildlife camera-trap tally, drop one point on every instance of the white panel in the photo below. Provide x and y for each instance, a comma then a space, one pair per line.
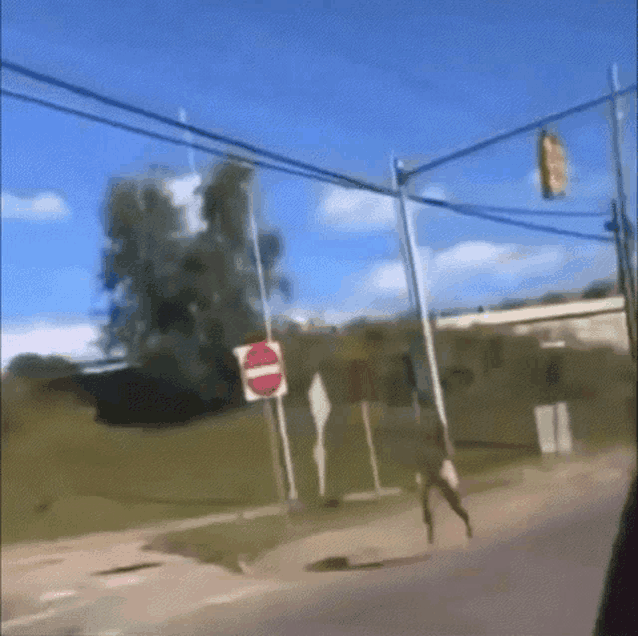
564, 433
544, 416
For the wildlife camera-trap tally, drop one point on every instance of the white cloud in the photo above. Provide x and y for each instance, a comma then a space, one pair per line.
46, 206
356, 211
388, 278
340, 318
472, 254
47, 338
182, 191
298, 315
353, 210
434, 191
502, 262
333, 316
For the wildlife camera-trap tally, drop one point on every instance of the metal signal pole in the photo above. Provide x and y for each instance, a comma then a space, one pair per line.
415, 284
620, 223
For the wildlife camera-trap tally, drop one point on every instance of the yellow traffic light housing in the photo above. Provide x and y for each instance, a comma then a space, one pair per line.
552, 165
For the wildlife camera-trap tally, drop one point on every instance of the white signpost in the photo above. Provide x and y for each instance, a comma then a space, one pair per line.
365, 412
263, 377
320, 408
274, 384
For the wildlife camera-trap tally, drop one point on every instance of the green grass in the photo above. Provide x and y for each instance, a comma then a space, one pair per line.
228, 543
104, 479
100, 478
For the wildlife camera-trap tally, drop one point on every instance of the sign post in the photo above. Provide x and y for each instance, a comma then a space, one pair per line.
263, 377
365, 412
320, 408
274, 450
278, 395
362, 387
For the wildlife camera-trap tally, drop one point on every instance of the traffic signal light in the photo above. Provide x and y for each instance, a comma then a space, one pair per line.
552, 165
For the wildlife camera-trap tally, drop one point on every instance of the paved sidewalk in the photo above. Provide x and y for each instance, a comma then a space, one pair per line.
49, 578
558, 485
106, 581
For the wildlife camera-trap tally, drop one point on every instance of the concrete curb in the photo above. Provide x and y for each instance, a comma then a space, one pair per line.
41, 576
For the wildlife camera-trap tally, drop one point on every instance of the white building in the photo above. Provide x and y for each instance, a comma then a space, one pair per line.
578, 324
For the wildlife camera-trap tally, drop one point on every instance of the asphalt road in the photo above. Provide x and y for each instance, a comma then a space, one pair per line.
536, 568
544, 582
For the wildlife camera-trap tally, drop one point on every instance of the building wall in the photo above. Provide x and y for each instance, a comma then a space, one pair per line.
608, 329
580, 324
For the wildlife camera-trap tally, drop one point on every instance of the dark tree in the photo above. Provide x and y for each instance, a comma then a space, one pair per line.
512, 304
190, 299
598, 289
552, 298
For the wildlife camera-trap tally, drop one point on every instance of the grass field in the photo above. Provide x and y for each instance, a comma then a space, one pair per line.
97, 478
227, 544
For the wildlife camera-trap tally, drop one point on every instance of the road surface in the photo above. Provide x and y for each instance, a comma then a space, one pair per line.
540, 576
544, 582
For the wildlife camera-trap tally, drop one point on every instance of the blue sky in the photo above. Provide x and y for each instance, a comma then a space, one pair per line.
341, 85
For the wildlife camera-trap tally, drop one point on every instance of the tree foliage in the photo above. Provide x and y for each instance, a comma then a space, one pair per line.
598, 289
189, 299
553, 298
509, 303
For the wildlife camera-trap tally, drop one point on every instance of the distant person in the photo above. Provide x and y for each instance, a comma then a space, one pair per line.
430, 459
480, 309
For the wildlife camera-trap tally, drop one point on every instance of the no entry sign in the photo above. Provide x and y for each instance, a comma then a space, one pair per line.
262, 370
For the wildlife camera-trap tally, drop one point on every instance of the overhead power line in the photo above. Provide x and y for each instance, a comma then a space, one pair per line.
539, 123
84, 92
466, 209
153, 135
521, 211
491, 208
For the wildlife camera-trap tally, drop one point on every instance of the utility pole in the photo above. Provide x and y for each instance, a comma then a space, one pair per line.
620, 223
415, 284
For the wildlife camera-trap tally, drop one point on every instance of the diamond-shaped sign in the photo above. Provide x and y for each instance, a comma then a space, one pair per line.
319, 403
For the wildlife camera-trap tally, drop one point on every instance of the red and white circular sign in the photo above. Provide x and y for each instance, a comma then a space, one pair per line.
263, 369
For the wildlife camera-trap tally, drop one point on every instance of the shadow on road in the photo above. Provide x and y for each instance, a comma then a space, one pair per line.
343, 563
